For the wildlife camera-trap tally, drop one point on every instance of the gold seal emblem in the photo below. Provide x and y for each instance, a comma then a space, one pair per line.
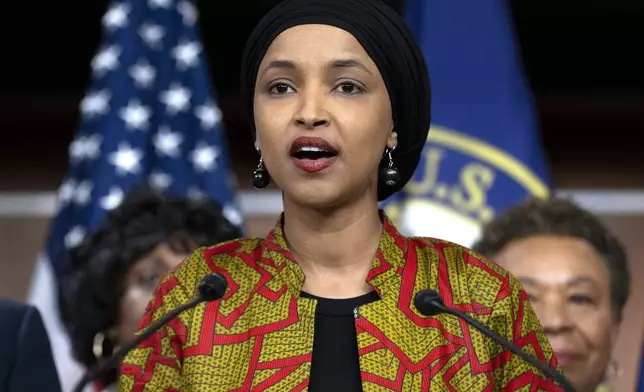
448, 197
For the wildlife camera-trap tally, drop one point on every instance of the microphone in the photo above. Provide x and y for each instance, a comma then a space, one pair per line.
430, 303
211, 288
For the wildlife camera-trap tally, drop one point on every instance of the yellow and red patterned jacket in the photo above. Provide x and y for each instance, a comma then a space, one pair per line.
260, 335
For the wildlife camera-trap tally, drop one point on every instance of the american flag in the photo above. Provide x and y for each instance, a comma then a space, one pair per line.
150, 115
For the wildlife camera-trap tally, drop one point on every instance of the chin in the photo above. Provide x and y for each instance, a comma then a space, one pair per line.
315, 196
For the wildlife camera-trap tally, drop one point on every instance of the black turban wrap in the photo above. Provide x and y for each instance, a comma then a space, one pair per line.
387, 40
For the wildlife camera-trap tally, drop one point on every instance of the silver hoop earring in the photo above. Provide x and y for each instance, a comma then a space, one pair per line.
103, 346
97, 345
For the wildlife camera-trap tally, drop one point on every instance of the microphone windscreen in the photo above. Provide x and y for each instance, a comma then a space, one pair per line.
212, 287
428, 302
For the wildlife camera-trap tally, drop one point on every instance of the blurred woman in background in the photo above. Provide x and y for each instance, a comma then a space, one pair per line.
115, 271
576, 275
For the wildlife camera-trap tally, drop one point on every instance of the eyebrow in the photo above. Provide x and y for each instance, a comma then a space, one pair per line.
577, 280
350, 63
280, 64
341, 63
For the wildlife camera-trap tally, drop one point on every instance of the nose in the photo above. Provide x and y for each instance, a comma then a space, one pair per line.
555, 316
312, 111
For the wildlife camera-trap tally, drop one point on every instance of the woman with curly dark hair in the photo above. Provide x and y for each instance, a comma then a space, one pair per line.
115, 270
576, 275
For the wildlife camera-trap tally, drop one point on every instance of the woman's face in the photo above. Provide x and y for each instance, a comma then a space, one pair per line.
569, 288
139, 288
322, 115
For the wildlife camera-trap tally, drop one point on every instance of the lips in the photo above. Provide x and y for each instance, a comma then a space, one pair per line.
566, 357
312, 154
312, 148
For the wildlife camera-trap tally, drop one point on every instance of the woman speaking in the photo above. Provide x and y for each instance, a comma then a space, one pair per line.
339, 94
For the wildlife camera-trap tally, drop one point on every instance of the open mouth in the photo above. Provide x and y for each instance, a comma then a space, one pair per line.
313, 153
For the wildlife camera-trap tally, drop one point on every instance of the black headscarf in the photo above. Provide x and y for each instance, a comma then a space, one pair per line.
387, 40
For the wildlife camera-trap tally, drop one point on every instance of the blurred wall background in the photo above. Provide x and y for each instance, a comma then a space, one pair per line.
579, 58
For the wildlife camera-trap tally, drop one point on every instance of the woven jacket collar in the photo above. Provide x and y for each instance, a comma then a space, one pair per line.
389, 258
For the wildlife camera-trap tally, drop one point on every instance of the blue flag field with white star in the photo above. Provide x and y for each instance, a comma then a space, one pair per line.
483, 153
150, 116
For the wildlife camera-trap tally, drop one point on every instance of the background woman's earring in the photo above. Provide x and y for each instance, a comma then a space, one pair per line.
97, 345
261, 178
389, 175
614, 370
102, 346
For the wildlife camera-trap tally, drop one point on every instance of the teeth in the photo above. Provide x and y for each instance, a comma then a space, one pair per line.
311, 149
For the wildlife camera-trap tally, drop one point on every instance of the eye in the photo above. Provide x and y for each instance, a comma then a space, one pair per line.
349, 88
580, 299
149, 278
280, 89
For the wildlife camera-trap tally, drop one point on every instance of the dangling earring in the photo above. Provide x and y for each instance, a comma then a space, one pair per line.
614, 370
261, 178
389, 175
